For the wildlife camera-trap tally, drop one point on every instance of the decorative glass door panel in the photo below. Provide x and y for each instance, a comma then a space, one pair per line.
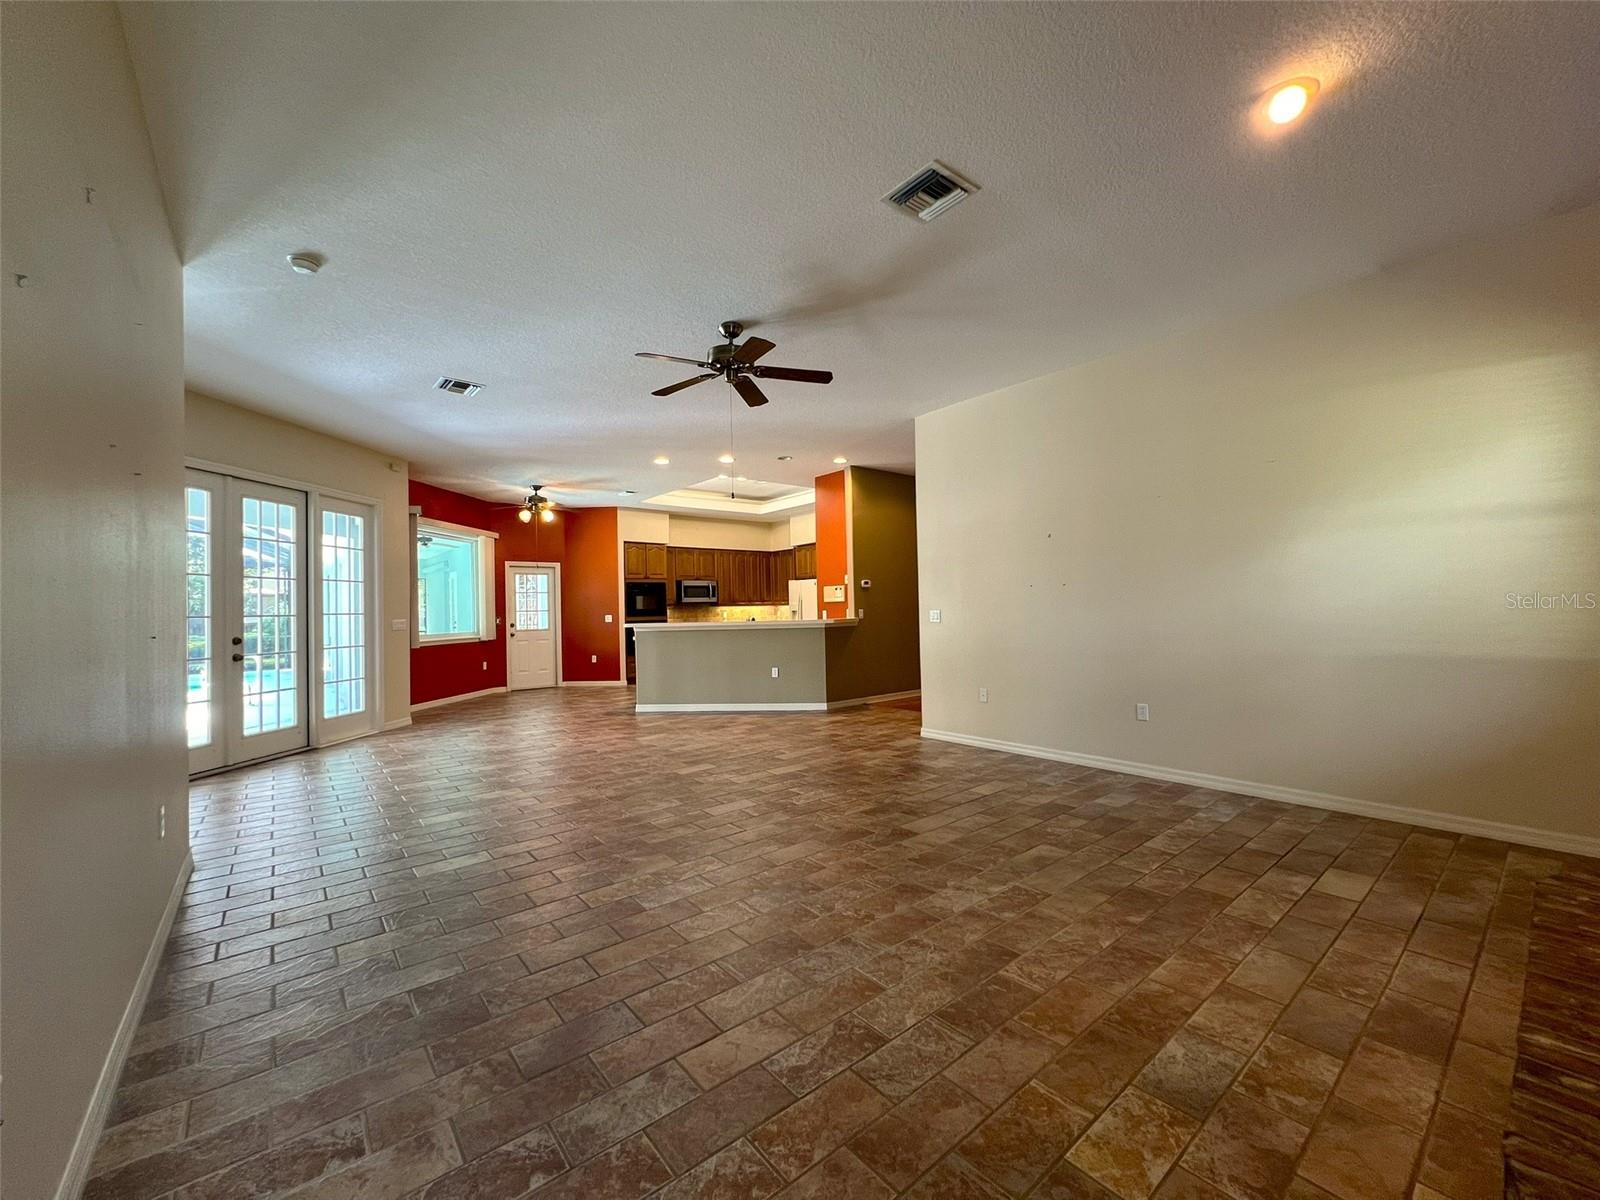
531, 633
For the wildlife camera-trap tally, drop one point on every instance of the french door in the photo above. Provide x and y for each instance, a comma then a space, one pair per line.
245, 606
532, 602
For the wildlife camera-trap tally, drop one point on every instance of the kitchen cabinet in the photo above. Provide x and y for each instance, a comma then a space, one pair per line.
805, 562
644, 560
779, 571
742, 576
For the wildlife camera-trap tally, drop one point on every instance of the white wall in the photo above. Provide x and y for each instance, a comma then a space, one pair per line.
230, 436
91, 713
1292, 536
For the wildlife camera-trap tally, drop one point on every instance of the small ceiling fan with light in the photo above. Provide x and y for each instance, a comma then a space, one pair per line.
739, 365
538, 505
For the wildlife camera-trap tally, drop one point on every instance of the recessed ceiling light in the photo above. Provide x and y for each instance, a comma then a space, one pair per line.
661, 460
785, 458
1289, 100
305, 263
840, 460
724, 458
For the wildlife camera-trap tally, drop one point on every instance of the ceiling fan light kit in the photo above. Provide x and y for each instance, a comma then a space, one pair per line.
537, 505
738, 364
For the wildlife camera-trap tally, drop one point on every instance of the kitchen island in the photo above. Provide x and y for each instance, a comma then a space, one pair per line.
745, 666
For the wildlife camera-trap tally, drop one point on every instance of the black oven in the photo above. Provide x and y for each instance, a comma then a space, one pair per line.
646, 600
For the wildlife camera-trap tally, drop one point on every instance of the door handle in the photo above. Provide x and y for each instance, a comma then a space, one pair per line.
238, 658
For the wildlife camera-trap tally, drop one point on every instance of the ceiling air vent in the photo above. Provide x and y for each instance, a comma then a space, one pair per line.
931, 191
458, 387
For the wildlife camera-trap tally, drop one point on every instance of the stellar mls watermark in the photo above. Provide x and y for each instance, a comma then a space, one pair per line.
1550, 600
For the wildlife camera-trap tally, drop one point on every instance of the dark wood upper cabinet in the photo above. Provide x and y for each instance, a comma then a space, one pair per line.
742, 576
805, 561
644, 560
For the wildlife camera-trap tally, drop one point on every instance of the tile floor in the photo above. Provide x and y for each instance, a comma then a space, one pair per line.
537, 945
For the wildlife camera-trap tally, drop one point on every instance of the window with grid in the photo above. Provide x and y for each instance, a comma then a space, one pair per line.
344, 615
533, 600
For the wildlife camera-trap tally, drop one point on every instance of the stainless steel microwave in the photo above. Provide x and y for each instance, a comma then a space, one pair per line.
697, 591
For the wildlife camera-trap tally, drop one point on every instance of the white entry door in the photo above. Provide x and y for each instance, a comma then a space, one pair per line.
532, 602
245, 620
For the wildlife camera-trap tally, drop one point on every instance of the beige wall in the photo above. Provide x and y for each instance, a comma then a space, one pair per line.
230, 436
1292, 536
802, 530
709, 533
639, 525
878, 657
91, 709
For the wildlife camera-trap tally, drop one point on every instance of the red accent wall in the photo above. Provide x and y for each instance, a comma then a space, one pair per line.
590, 579
833, 540
590, 583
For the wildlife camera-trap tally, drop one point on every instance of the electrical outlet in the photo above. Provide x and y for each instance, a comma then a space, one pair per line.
774, 672
933, 616
161, 821
983, 695
861, 614
594, 658
485, 664
1141, 712
608, 618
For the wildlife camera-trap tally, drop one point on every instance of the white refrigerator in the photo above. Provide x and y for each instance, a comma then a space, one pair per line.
802, 599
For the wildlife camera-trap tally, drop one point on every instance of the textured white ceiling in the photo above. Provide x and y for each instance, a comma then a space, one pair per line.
524, 195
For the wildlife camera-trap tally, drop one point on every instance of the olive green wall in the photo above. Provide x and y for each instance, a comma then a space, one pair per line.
880, 655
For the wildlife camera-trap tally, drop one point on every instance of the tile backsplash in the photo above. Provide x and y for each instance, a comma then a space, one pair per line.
728, 612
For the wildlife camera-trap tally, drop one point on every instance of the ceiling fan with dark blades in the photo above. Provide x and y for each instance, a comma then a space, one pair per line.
739, 365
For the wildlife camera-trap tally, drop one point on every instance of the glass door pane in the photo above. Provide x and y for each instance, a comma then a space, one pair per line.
344, 614
264, 562
203, 499
271, 616
198, 650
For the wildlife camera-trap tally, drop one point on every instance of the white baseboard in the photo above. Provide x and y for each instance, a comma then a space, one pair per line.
397, 723
1522, 835
443, 700
879, 699
105, 1088
594, 683
807, 706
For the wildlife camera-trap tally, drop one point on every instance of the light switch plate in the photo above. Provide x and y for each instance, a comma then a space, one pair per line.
608, 618
774, 672
833, 593
1141, 712
398, 624
933, 616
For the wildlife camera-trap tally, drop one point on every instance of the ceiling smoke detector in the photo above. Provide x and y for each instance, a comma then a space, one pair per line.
458, 387
933, 190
